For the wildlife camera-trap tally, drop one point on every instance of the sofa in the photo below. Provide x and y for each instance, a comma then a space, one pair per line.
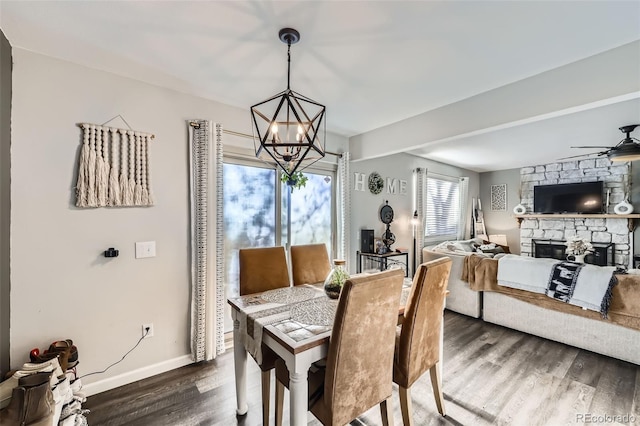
461, 298
617, 337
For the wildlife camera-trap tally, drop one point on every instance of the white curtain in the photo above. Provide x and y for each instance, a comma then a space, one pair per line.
420, 205
344, 207
207, 243
463, 189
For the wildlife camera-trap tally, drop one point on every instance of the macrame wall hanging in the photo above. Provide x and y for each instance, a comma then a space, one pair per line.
114, 167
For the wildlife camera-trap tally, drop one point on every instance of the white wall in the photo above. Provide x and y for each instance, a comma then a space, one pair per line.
502, 222
61, 285
365, 206
575, 84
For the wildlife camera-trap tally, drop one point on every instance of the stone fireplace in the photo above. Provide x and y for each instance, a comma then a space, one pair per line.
600, 230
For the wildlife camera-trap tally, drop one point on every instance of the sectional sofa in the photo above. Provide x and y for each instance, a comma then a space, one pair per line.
590, 333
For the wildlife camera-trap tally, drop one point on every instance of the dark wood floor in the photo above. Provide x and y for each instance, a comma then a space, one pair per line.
492, 375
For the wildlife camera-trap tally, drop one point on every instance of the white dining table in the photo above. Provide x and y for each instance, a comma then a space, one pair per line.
295, 322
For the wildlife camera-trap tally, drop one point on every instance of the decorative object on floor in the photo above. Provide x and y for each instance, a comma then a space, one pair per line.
336, 279
289, 128
577, 249
519, 209
296, 180
114, 168
479, 229
628, 149
376, 183
623, 207
499, 197
386, 216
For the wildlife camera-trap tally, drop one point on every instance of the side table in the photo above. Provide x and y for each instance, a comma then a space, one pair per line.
384, 261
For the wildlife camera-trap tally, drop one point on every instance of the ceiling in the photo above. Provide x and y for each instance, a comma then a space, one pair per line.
372, 63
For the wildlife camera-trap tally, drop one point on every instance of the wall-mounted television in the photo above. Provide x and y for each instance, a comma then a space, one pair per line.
584, 197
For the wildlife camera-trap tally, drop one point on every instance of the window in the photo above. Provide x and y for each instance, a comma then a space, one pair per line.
443, 208
256, 209
311, 211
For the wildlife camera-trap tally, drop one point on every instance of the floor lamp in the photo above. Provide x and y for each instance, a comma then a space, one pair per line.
414, 223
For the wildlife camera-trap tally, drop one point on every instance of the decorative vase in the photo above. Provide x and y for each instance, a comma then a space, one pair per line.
519, 209
336, 279
623, 207
576, 258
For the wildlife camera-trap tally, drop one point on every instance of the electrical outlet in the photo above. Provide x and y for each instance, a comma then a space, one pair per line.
144, 330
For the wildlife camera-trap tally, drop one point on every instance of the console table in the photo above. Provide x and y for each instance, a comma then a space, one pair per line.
384, 261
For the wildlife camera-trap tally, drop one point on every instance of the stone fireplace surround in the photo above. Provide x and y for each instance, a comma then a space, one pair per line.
599, 230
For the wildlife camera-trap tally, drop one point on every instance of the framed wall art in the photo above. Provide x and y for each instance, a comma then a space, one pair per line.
499, 197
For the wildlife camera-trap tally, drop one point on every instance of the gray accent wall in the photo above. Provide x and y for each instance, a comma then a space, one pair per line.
5, 200
365, 206
502, 222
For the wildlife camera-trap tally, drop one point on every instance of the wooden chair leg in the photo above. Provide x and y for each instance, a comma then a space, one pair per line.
279, 402
266, 385
436, 383
405, 405
386, 412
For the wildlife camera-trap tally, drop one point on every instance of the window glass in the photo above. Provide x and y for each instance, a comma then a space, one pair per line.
311, 212
249, 215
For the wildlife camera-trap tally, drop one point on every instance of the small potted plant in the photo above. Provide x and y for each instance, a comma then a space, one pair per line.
296, 180
577, 249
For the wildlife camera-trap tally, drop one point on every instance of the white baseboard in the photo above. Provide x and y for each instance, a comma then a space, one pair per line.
135, 375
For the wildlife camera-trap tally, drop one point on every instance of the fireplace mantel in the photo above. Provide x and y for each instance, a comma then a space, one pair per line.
630, 217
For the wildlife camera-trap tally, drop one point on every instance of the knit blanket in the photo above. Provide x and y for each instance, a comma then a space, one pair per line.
584, 285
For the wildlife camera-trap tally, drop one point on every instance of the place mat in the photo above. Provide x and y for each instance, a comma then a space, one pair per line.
320, 311
288, 295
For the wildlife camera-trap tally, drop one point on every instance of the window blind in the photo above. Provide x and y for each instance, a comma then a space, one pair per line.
443, 208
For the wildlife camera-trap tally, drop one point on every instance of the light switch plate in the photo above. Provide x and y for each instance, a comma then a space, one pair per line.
145, 249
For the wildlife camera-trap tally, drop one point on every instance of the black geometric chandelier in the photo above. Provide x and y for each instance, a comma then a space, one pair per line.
289, 128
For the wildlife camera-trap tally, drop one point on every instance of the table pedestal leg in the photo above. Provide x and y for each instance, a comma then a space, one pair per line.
240, 363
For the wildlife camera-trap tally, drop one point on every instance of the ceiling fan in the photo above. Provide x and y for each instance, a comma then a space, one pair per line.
628, 149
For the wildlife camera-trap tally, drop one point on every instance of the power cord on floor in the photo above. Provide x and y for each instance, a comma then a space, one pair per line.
147, 330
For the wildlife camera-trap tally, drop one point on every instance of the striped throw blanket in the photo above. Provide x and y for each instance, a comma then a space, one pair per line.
584, 285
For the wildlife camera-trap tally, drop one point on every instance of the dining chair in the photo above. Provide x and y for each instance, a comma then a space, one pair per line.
309, 263
418, 342
357, 374
263, 269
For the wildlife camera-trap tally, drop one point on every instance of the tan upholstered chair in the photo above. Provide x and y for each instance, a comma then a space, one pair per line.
309, 263
358, 372
418, 343
263, 269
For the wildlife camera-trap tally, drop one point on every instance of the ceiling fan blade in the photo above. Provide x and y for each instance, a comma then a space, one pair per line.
591, 146
585, 155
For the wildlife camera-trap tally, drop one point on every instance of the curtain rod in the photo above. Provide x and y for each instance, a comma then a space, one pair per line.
244, 135
443, 175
